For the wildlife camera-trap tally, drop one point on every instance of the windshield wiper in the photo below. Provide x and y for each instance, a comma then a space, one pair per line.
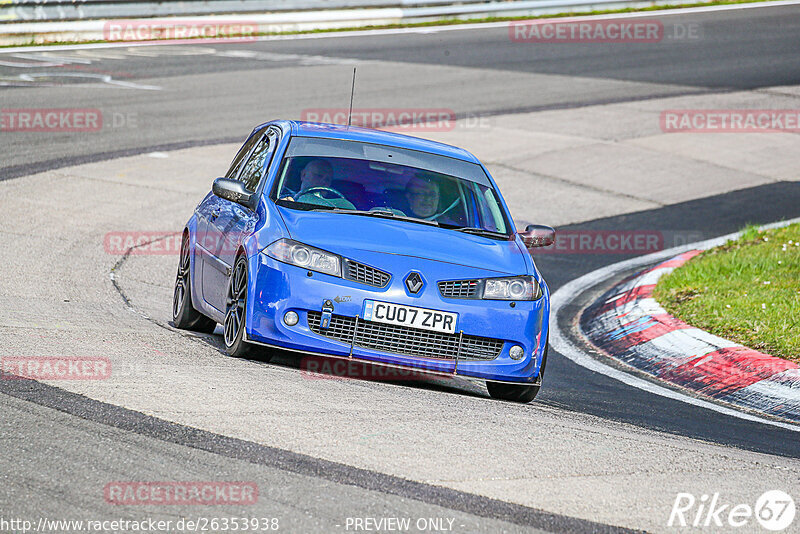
480, 231
380, 214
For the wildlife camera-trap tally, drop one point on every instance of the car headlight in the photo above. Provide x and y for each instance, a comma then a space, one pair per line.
511, 288
305, 256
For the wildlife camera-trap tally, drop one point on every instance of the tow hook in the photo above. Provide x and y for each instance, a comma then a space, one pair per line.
327, 311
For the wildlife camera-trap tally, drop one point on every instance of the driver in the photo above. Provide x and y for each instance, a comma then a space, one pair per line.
318, 173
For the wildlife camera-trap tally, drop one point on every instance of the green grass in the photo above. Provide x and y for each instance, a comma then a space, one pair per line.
452, 21
747, 290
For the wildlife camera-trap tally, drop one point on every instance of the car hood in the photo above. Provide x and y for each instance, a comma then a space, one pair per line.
342, 233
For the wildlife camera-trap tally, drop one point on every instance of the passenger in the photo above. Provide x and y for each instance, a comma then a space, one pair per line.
422, 193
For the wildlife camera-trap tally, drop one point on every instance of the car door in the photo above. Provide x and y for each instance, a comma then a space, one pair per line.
230, 223
208, 209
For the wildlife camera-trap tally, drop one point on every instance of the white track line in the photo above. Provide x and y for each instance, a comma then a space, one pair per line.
561, 342
397, 31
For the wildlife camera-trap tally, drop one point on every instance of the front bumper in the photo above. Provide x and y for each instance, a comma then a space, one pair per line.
485, 331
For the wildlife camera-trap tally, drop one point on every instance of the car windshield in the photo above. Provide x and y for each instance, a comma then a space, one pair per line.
373, 187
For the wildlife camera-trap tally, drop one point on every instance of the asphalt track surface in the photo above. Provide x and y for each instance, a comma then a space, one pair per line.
60, 446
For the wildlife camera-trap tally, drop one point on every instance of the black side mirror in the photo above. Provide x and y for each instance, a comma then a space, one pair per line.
233, 190
538, 235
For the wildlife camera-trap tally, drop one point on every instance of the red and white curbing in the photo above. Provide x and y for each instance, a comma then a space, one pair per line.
629, 325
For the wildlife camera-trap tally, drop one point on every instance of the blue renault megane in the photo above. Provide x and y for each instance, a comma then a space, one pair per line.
354, 243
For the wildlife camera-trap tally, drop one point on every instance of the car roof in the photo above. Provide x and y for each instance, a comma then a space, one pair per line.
367, 135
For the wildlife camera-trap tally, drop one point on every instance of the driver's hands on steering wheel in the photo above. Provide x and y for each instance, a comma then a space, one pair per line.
313, 190
334, 200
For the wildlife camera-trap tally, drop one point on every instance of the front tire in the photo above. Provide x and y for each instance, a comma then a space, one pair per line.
184, 316
236, 311
518, 393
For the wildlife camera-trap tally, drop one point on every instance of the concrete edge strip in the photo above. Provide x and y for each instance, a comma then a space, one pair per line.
629, 325
560, 341
298, 463
395, 31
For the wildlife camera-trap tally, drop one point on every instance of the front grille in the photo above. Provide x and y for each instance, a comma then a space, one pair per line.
358, 272
459, 289
405, 340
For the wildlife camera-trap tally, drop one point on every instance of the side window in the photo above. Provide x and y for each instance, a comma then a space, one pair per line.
493, 220
254, 168
241, 155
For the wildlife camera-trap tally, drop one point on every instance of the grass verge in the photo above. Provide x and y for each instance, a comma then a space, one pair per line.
747, 290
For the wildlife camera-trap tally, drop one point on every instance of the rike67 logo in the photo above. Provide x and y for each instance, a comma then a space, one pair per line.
774, 511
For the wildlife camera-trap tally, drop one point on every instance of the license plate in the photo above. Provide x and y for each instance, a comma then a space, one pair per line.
386, 312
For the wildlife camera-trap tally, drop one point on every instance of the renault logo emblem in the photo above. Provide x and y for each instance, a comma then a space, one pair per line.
414, 282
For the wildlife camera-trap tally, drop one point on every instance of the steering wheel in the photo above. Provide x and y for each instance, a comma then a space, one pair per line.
446, 210
319, 188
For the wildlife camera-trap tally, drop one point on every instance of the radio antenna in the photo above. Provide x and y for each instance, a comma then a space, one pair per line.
352, 91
